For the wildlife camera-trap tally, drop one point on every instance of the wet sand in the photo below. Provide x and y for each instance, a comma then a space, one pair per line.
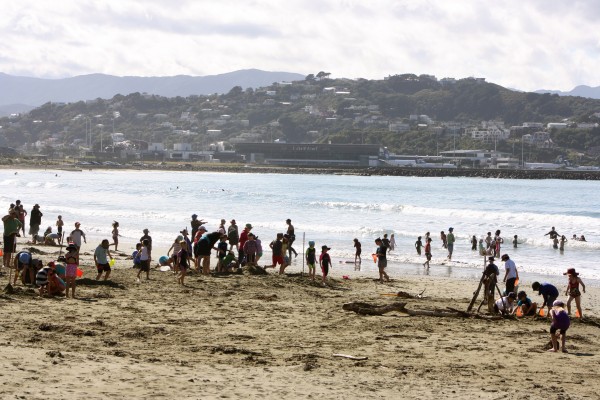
274, 336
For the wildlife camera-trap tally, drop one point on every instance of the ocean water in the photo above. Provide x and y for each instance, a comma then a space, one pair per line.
330, 209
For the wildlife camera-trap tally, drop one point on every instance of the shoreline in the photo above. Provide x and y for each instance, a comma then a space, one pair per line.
311, 170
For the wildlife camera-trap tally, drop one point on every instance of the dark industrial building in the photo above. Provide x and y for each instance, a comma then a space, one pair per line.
310, 154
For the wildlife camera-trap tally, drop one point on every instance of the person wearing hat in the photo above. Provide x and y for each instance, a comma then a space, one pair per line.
560, 322
233, 235
510, 273
490, 274
505, 305
243, 238
35, 220
12, 225
195, 224
450, 242
548, 291
325, 262
76, 236
573, 290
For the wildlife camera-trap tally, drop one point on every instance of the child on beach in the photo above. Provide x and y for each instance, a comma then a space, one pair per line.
443, 239
381, 260
325, 262
250, 250
528, 307
573, 291
482, 251
555, 242
135, 256
418, 245
115, 234
286, 257
560, 322
311, 259
277, 251
505, 304
427, 253
71, 257
59, 225
222, 252
358, 251
392, 242
176, 247
515, 242
184, 265
144, 260
101, 255
474, 243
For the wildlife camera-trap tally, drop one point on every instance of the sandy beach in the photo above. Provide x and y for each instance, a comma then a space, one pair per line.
250, 336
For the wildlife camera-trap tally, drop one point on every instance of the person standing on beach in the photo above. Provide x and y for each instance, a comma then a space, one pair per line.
381, 259
222, 229
427, 253
392, 242
21, 214
450, 242
35, 220
76, 236
243, 238
144, 255
488, 241
101, 256
474, 243
325, 262
515, 241
195, 223
418, 245
12, 225
357, 251
311, 259
184, 264
233, 236
510, 273
149, 246
291, 238
72, 260
490, 274
115, 234
573, 291
498, 239
59, 226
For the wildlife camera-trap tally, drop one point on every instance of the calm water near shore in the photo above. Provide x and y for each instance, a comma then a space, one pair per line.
330, 209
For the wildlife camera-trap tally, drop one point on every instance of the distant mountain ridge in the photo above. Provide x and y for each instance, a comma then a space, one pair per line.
581, 91
20, 94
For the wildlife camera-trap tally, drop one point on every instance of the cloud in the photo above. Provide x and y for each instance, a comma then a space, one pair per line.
525, 45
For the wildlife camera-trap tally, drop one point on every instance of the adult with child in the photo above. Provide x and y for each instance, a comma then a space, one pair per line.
548, 291
573, 290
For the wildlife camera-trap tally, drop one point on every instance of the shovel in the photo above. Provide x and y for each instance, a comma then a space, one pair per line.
9, 289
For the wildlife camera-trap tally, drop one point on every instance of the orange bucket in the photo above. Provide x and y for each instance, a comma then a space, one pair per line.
374, 257
519, 312
577, 315
542, 312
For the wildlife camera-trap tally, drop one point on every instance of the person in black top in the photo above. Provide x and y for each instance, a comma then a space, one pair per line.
291, 238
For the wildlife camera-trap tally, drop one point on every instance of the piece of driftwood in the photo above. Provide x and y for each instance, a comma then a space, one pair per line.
351, 357
476, 293
371, 309
404, 295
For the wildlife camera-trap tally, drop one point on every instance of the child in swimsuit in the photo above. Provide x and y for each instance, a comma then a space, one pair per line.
311, 259
573, 290
71, 270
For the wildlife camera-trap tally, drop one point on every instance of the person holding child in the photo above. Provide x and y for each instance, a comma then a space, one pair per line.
573, 290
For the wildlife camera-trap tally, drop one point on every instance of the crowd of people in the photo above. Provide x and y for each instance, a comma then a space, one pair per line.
236, 248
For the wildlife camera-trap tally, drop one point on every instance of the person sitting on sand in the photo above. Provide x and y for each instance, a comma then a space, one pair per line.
528, 307
229, 263
561, 323
51, 239
505, 305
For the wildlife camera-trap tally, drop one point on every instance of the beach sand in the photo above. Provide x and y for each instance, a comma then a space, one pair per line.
246, 336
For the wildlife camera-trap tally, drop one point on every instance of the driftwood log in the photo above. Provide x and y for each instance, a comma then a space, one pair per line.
371, 309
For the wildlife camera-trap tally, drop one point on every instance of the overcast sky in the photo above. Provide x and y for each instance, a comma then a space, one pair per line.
523, 44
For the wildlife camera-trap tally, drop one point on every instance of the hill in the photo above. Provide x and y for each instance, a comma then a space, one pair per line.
581, 90
33, 92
